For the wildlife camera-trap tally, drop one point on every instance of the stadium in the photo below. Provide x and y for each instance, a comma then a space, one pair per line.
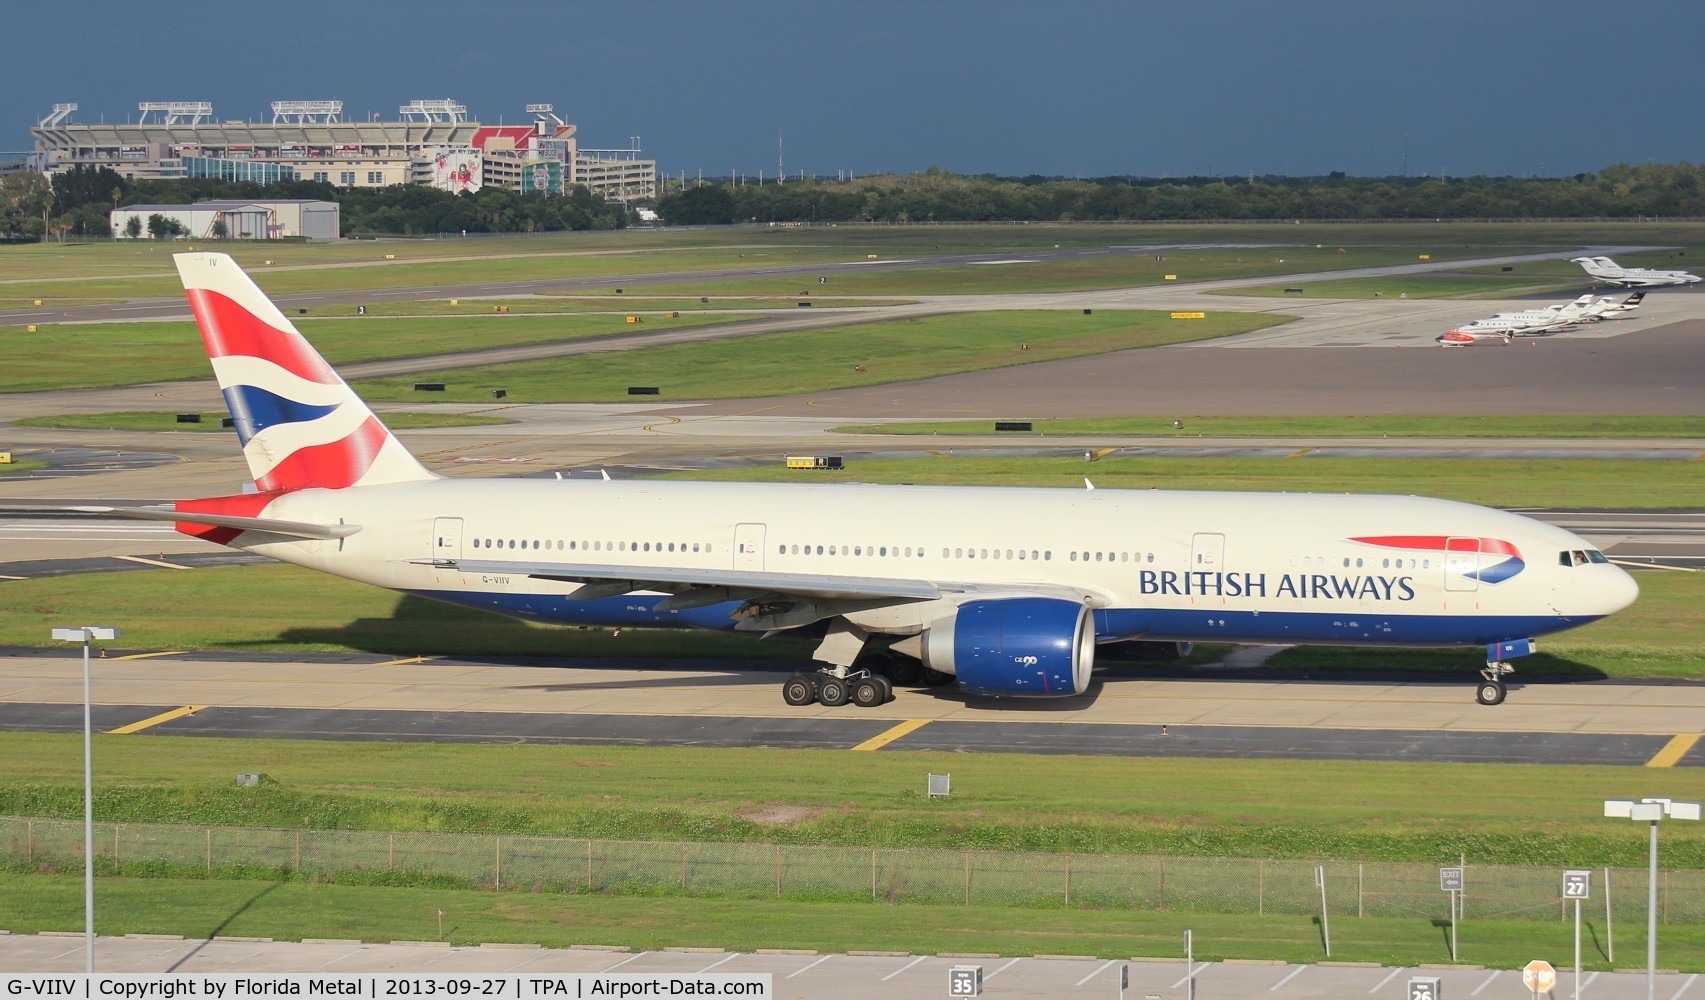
431, 142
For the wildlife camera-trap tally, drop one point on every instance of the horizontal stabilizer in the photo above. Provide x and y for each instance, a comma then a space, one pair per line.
271, 525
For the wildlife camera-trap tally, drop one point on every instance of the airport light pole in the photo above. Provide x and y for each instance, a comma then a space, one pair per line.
1651, 811
85, 634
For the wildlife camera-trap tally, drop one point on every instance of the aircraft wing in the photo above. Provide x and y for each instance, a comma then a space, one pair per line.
775, 600
273, 525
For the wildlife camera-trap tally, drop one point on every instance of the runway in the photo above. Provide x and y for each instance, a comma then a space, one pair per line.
1131, 712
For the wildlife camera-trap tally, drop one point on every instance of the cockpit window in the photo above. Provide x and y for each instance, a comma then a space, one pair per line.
1596, 556
1580, 557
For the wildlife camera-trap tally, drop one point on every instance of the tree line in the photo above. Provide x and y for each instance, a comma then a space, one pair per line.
80, 202
1618, 191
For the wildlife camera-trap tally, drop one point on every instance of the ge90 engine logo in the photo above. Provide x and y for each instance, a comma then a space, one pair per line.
1027, 661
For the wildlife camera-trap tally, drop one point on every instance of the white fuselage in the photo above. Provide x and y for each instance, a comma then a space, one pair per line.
1240, 567
1611, 273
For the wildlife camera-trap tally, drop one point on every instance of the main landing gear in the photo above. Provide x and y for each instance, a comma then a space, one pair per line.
838, 681
863, 688
1491, 690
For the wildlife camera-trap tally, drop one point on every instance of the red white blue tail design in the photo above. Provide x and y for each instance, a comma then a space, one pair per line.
301, 426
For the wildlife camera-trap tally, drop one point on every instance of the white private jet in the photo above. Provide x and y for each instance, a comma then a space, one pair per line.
1007, 590
1522, 323
1611, 273
1608, 307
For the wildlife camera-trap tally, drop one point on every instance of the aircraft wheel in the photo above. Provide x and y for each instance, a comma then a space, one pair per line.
800, 689
867, 692
833, 692
903, 670
887, 689
1490, 693
935, 678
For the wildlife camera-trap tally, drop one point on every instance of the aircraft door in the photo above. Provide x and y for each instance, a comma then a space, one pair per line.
1207, 552
1462, 564
749, 546
447, 538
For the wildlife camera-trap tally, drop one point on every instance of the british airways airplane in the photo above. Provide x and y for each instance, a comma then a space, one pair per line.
1007, 590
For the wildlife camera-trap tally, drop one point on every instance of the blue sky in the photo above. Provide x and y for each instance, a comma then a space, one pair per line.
1072, 88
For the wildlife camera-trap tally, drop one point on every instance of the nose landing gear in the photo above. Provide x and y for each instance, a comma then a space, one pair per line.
1492, 690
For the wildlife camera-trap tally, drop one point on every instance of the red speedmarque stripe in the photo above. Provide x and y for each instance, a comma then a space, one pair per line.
331, 466
228, 329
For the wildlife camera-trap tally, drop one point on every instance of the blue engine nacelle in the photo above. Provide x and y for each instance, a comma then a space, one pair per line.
1032, 647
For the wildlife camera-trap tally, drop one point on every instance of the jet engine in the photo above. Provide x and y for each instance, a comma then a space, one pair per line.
1031, 647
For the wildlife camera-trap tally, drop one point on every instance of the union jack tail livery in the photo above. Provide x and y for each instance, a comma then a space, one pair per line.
300, 424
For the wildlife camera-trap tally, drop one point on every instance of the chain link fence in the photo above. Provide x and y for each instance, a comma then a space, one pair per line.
967, 878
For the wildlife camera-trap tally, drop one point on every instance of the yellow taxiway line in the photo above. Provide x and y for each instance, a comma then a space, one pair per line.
888, 736
407, 659
148, 656
137, 727
1674, 750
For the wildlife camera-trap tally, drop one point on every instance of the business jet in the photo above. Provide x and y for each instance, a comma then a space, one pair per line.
1522, 323
1611, 273
1007, 590
1607, 307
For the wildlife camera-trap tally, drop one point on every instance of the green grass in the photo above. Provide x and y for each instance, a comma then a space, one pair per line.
99, 355
1344, 810
1414, 286
210, 421
1381, 426
1490, 481
819, 360
199, 909
17, 465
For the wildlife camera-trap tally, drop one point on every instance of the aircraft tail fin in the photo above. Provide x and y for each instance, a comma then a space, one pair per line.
1592, 265
301, 425
1633, 300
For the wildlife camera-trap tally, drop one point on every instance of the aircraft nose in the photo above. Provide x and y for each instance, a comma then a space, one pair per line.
1621, 590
